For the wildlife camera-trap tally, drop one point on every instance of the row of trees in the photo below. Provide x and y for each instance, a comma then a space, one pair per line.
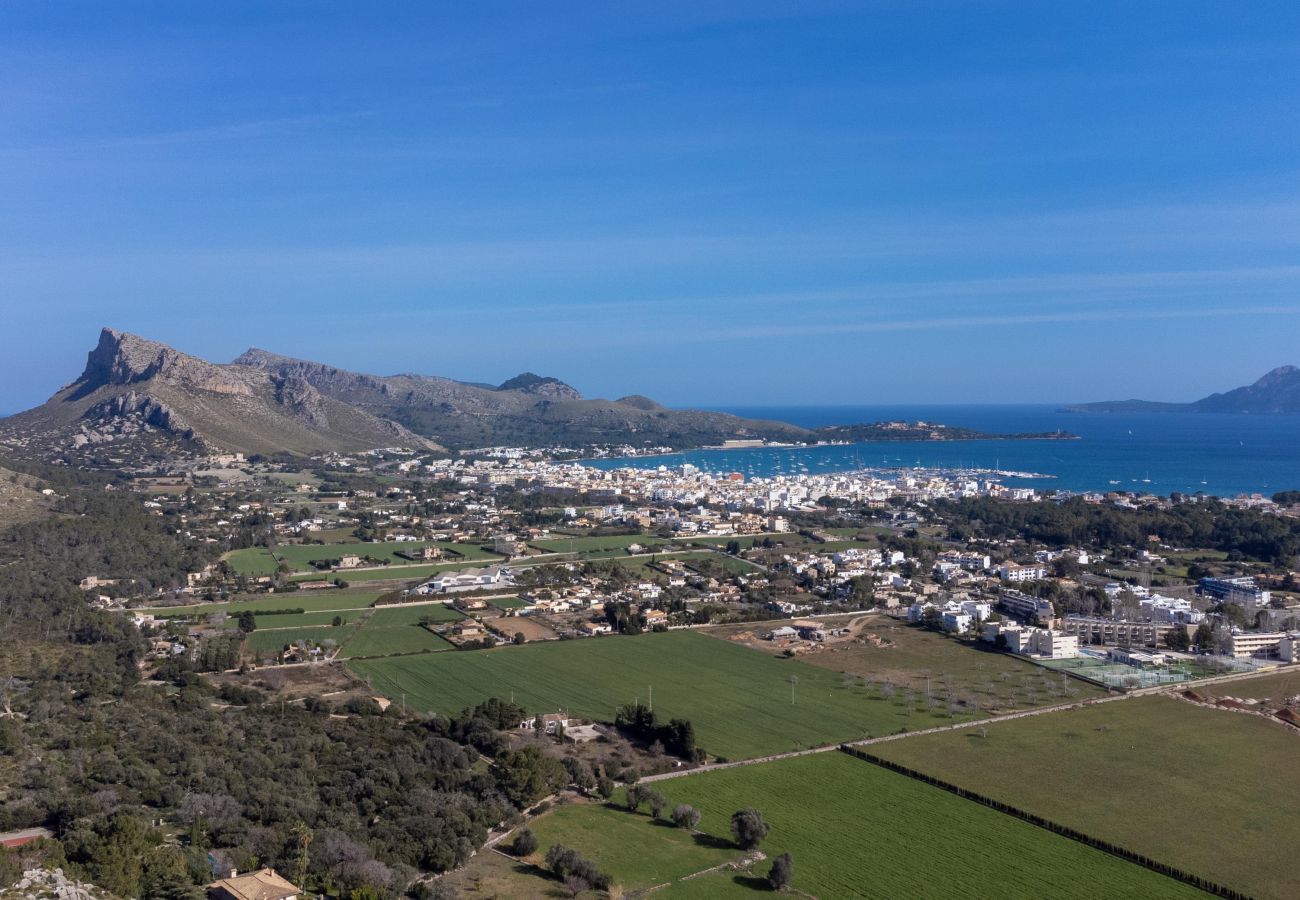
677, 736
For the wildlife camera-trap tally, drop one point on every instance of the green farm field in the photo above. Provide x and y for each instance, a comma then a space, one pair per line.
308, 601
276, 638
307, 619
637, 851
618, 542
395, 630
738, 700
853, 830
263, 561
920, 660
1192, 787
1276, 687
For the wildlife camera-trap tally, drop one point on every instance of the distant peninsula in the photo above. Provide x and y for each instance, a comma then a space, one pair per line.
926, 431
1276, 393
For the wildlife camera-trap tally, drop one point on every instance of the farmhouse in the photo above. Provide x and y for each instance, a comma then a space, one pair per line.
509, 545
264, 884
468, 629
421, 553
550, 722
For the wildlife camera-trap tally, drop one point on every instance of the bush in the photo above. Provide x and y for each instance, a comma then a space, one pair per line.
566, 864
686, 816
525, 843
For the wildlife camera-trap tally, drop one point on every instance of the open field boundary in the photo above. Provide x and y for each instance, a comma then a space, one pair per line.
1073, 834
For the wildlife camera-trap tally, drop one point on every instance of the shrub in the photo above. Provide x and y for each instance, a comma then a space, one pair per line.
525, 843
686, 816
781, 873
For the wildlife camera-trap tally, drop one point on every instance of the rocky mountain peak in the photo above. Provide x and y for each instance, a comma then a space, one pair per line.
1279, 375
541, 386
121, 358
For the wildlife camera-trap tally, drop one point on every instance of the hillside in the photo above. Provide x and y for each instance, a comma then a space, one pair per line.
138, 399
20, 498
528, 409
1274, 393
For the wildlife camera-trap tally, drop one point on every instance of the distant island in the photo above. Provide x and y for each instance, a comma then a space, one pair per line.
1278, 392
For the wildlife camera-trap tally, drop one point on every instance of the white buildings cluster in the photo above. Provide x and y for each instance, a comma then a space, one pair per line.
688, 484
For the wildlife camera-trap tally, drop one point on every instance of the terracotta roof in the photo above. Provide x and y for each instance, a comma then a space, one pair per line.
264, 884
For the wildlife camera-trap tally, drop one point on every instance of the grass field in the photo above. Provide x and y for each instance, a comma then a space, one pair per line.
738, 700
923, 660
276, 638
1193, 787
642, 564
299, 557
411, 614
852, 829
300, 620
594, 544
1276, 687
640, 852
508, 603
395, 630
308, 601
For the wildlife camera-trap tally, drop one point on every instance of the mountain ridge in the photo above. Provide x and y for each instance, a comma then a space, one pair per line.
144, 395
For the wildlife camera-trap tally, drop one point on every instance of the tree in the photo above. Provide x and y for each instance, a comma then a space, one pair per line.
635, 797
247, 622
525, 843
301, 837
519, 637
748, 828
781, 873
527, 775
1177, 639
656, 800
1204, 638
686, 816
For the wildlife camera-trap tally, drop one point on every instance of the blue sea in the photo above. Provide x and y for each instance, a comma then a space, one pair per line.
1223, 455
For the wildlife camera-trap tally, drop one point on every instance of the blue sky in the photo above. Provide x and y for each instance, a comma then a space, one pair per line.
741, 203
